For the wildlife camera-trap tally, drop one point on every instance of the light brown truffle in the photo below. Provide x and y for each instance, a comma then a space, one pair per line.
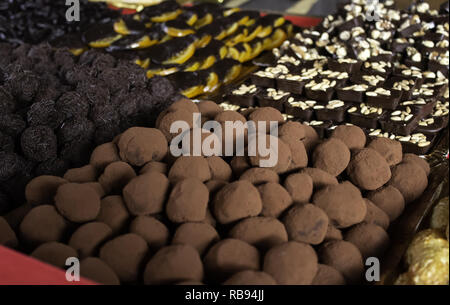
116, 176
418, 161
410, 179
168, 118
42, 189
300, 187
291, 263
146, 194
327, 275
97, 187
375, 215
153, 231
103, 155
96, 270
391, 150
292, 129
214, 186
77, 202
352, 136
239, 164
320, 178
114, 213
275, 199
278, 154
190, 167
298, 152
198, 142
54, 253
154, 166
250, 277
196, 234
332, 156
333, 233
370, 239
86, 240
220, 170
258, 175
209, 109
173, 264
7, 236
311, 139
184, 103
266, 115
87, 173
389, 199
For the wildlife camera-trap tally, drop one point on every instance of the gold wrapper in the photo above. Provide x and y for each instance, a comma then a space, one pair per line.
137, 5
439, 218
404, 279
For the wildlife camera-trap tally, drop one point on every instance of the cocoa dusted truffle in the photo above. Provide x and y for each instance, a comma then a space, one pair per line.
291, 263
292, 129
368, 169
237, 200
300, 187
87, 239
126, 255
220, 170
190, 167
275, 199
77, 202
418, 161
370, 239
42, 189
342, 203
320, 178
352, 136
7, 236
228, 257
333, 233
146, 193
116, 176
344, 257
214, 186
43, 224
250, 277
184, 103
54, 253
113, 212
391, 150
332, 156
209, 109
84, 174
389, 199
306, 223
327, 275
152, 230
258, 175
266, 115
410, 179
96, 270
154, 166
167, 118
298, 152
375, 215
261, 232
139, 145
283, 155
196, 234
103, 155
173, 264
97, 187
188, 201
311, 139
239, 164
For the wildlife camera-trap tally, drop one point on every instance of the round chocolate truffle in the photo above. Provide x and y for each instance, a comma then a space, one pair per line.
190, 167
7, 236
200, 142
87, 173
114, 213
96, 270
152, 230
220, 170
333, 233
54, 253
311, 139
276, 155
209, 109
188, 201
375, 215
154, 166
370, 239
368, 169
116, 176
230, 256
77, 202
146, 194
300, 187
239, 164
103, 155
327, 275
265, 115
291, 263
298, 151
173, 264
97, 187
332, 156
410, 179
250, 277
320, 178
342, 203
418, 161
258, 175
88, 238
389, 199
214, 186
261, 232
168, 118
126, 255
292, 129
275, 199
196, 234
237, 134
185, 104
352, 136
391, 150
139, 145
344, 257
42, 189
43, 224
237, 200
306, 223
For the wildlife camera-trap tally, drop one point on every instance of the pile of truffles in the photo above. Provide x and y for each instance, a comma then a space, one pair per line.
55, 108
137, 214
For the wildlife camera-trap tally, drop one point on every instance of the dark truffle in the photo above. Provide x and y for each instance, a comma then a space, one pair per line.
77, 202
190, 167
389, 199
54, 253
352, 136
410, 179
39, 143
42, 189
319, 177
370, 239
375, 215
258, 175
196, 234
275, 199
7, 236
87, 239
327, 275
103, 155
417, 160
250, 277
300, 187
391, 150
332, 156
152, 230
114, 213
116, 176
96, 270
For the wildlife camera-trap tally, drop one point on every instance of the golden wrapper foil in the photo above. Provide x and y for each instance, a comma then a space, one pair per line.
439, 218
404, 279
137, 5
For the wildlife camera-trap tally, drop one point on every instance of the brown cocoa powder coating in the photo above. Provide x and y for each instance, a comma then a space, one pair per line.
418, 161
214, 186
389, 199
209, 109
196, 234
220, 170
352, 136
410, 179
42, 189
332, 156
188, 201
327, 275
391, 150
300, 187
87, 239
283, 155
291, 263
42, 224
87, 173
333, 233
103, 155
261, 232
292, 129
126, 255
139, 145
206, 140
168, 118
344, 257
342, 203
173, 264
231, 116
153, 231
114, 213
96, 270
259, 175
275, 199
239, 164
237, 200
98, 188
154, 166
146, 194
298, 152
185, 104
306, 223
78, 203
228, 257
190, 167
320, 178
311, 139
375, 215
54, 253
250, 277
370, 239
368, 169
7, 236
266, 115
116, 176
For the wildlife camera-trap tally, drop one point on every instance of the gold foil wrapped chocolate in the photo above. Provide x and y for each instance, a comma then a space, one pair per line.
439, 217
